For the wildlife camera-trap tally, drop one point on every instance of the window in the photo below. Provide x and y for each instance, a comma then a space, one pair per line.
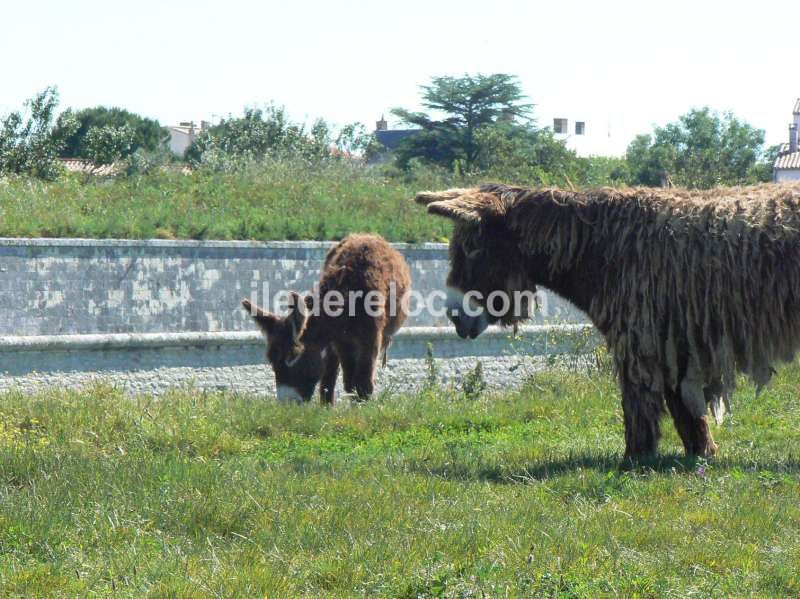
580, 128
560, 126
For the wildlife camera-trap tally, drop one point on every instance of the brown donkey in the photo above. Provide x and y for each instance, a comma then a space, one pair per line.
687, 287
349, 321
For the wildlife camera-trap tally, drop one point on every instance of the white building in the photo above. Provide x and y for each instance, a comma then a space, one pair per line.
787, 164
183, 134
586, 137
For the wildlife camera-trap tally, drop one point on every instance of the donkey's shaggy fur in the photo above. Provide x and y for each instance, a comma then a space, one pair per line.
688, 287
308, 345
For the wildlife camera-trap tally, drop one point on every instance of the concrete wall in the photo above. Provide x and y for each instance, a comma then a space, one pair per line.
787, 175
155, 363
152, 315
86, 353
79, 286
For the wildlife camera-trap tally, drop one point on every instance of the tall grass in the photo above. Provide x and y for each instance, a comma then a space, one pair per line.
275, 201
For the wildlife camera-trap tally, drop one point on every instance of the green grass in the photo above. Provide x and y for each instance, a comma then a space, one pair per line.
514, 494
279, 201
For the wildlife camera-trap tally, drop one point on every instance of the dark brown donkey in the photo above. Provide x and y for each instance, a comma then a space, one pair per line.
349, 320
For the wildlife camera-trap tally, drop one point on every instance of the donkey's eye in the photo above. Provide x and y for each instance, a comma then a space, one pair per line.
472, 255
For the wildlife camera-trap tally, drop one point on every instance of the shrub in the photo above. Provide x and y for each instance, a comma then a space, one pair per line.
27, 143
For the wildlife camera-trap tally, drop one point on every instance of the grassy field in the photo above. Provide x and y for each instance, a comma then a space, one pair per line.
282, 201
516, 494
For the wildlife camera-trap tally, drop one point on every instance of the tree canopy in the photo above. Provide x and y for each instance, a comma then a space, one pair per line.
458, 109
701, 149
269, 133
118, 133
27, 141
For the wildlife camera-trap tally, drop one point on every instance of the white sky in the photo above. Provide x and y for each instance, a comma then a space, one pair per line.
634, 64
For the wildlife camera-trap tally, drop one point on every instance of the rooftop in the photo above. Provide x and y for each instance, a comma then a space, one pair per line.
391, 138
81, 165
184, 129
787, 159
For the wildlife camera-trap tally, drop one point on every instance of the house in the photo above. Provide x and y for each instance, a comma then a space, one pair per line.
584, 137
390, 138
787, 164
182, 135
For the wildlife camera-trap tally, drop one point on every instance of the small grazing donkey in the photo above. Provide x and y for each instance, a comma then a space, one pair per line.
308, 345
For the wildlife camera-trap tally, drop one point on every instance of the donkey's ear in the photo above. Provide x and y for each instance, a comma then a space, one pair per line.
468, 205
266, 322
428, 197
298, 315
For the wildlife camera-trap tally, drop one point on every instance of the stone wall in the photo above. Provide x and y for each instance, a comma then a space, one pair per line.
152, 315
87, 286
235, 361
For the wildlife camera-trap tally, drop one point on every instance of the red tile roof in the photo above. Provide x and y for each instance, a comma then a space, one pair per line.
79, 165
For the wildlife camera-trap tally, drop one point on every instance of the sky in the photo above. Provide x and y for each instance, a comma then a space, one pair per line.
621, 66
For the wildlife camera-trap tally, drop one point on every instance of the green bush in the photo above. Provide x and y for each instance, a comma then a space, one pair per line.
27, 143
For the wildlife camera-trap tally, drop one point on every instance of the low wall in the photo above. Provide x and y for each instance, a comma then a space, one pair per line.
153, 314
123, 352
87, 286
154, 363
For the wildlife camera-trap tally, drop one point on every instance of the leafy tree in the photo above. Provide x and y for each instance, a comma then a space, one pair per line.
467, 105
269, 133
645, 161
763, 171
355, 140
106, 145
147, 134
597, 171
702, 149
525, 155
257, 134
27, 141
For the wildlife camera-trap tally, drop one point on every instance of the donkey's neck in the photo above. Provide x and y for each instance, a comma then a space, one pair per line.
316, 333
577, 284
573, 269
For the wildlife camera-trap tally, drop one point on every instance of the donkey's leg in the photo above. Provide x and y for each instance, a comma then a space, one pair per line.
682, 420
348, 356
387, 342
642, 409
368, 360
330, 372
694, 432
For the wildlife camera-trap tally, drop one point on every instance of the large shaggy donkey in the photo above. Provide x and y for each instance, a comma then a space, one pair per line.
319, 333
687, 287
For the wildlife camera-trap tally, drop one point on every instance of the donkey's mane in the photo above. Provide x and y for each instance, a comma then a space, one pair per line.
714, 275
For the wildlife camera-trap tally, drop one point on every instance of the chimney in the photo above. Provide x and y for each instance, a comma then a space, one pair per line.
796, 114
381, 125
793, 138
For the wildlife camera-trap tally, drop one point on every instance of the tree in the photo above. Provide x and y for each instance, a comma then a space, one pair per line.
525, 155
763, 171
147, 134
355, 140
256, 134
27, 141
466, 104
106, 145
269, 133
702, 149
